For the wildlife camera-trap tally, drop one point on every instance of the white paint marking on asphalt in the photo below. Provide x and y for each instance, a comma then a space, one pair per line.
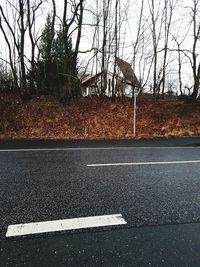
64, 225
94, 148
143, 163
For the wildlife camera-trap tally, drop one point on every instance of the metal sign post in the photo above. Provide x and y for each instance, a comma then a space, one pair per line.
129, 75
135, 94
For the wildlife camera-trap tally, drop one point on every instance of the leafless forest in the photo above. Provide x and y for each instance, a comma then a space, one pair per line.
50, 47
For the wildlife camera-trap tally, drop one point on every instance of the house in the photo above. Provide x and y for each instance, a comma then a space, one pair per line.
109, 84
115, 84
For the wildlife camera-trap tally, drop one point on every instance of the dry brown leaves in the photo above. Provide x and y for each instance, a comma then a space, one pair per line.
44, 118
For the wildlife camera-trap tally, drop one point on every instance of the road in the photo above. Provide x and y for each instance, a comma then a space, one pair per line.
153, 185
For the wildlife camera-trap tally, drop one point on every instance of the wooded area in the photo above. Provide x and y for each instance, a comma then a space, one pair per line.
46, 60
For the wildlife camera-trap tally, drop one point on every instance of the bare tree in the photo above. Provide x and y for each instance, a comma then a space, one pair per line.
106, 11
195, 13
180, 51
139, 35
31, 20
156, 28
11, 63
116, 34
22, 28
168, 13
80, 24
9, 44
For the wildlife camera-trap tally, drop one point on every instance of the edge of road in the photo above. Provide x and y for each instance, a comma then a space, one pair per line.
162, 142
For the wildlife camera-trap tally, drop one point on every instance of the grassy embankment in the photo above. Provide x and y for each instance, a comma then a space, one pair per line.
44, 118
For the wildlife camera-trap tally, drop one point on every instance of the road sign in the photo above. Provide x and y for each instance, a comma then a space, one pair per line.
129, 75
128, 72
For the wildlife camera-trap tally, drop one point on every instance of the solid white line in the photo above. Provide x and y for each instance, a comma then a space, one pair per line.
143, 163
93, 148
63, 225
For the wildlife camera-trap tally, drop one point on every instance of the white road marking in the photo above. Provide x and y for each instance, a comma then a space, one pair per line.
143, 163
63, 225
93, 148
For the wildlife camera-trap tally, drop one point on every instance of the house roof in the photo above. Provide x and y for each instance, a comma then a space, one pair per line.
90, 81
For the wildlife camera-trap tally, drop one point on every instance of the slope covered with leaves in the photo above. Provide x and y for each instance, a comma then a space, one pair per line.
44, 118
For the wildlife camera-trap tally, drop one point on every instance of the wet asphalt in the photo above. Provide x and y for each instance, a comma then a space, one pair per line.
161, 203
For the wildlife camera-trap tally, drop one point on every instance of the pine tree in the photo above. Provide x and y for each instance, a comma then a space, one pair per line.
46, 40
57, 67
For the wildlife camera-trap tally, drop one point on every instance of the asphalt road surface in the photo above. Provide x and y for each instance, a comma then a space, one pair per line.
153, 186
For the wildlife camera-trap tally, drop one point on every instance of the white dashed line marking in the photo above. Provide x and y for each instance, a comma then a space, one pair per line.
64, 225
143, 163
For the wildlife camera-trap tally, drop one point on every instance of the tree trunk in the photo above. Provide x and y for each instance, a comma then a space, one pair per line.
21, 50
